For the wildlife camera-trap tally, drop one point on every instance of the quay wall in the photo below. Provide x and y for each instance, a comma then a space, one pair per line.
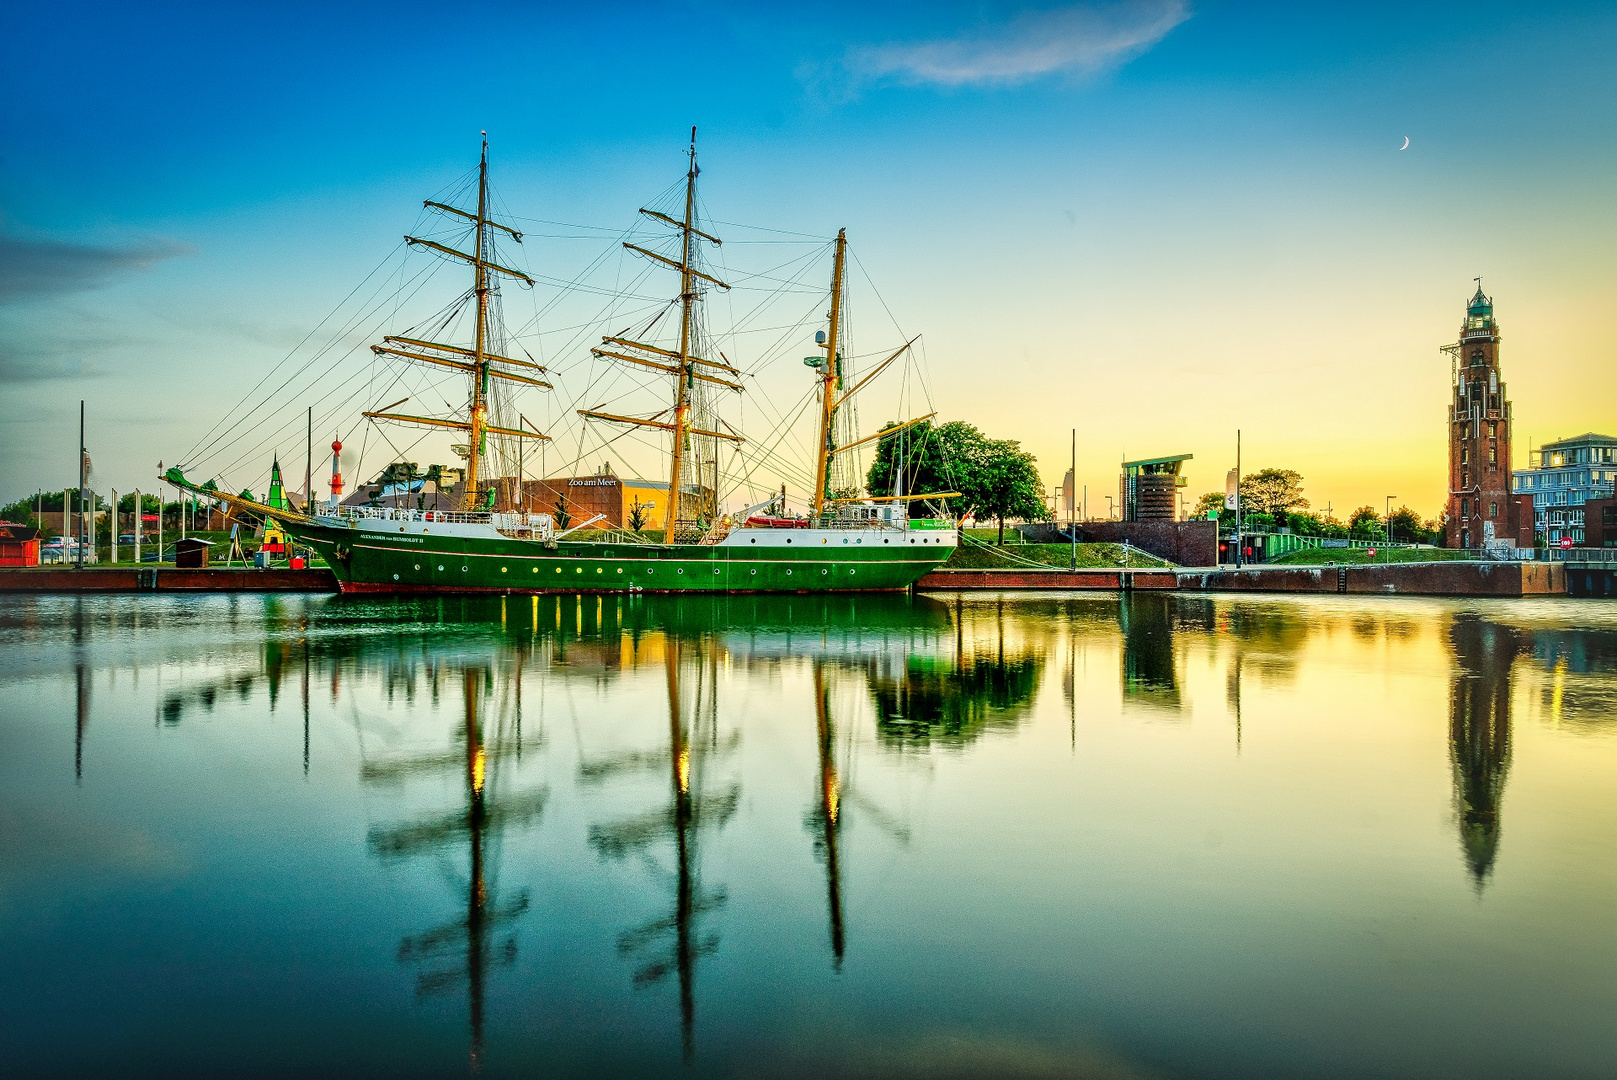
102, 579
950, 580
1395, 579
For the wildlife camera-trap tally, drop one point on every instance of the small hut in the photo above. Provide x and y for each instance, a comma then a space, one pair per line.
191, 553
19, 545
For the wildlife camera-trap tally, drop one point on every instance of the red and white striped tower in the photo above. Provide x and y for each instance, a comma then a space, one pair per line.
336, 472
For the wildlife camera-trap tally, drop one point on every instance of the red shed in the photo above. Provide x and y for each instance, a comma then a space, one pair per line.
19, 545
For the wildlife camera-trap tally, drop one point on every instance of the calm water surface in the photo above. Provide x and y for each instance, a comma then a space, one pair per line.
1071, 836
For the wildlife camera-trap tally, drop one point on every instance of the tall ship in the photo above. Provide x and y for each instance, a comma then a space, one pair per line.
491, 540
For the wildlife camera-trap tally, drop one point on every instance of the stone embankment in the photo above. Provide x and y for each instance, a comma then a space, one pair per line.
102, 579
1396, 579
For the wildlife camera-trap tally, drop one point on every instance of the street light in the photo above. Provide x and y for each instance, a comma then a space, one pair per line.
1109, 508
1388, 518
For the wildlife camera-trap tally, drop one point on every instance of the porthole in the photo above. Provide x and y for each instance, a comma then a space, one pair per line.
536, 569
681, 570
715, 571
852, 572
463, 569
502, 569
578, 570
395, 577
788, 573
788, 539
754, 540
558, 569
440, 566
886, 541
824, 572
600, 569
844, 539
823, 540
418, 566
620, 569
755, 573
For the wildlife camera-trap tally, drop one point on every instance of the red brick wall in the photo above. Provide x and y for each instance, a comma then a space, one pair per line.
1479, 447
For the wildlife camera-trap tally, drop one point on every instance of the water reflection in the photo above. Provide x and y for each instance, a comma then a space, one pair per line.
462, 950
430, 696
1479, 733
695, 805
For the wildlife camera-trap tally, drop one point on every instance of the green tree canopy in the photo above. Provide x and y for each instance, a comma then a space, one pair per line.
1272, 491
1213, 500
1365, 520
996, 478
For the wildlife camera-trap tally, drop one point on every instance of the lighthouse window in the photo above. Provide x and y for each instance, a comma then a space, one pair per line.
1465, 507
1493, 509
1465, 454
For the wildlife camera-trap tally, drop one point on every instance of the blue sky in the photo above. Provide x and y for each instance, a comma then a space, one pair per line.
1157, 222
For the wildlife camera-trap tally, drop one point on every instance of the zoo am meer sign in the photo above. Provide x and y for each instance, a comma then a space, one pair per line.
1334, 543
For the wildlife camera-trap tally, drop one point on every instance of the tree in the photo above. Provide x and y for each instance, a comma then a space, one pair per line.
920, 459
996, 478
1405, 524
1001, 481
1272, 491
563, 518
1365, 522
1209, 503
637, 514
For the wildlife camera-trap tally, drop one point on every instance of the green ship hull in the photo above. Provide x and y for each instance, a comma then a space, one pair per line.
374, 561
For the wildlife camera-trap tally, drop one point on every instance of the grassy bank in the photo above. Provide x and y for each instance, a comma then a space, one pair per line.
1011, 557
1361, 557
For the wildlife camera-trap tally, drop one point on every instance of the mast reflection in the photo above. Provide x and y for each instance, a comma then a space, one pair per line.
672, 944
825, 819
466, 941
1479, 733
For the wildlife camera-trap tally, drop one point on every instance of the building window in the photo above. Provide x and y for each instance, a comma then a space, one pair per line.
1493, 509
1493, 454
1465, 455
1465, 507
1493, 429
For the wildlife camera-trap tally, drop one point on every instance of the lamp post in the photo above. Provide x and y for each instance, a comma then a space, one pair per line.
1388, 518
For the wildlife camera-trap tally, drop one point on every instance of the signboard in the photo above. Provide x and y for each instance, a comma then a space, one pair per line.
1370, 552
1566, 543
1232, 487
1338, 542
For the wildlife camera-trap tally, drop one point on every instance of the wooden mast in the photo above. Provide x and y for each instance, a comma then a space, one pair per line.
477, 361
682, 399
480, 361
830, 373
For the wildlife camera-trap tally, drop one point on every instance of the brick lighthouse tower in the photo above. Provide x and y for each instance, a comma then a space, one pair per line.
1481, 506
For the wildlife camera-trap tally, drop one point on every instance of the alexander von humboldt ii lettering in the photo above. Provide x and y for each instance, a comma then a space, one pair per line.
842, 541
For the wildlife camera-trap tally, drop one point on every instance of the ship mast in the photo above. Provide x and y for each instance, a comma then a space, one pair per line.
477, 362
687, 368
830, 377
682, 397
480, 375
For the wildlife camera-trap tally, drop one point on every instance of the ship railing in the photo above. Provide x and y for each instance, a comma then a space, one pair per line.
401, 513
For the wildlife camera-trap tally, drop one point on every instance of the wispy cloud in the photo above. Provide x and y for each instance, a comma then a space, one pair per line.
52, 267
1035, 44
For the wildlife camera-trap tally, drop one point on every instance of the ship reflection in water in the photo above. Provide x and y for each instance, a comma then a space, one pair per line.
832, 835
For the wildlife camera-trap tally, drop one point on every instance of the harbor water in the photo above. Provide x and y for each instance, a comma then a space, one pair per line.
1071, 835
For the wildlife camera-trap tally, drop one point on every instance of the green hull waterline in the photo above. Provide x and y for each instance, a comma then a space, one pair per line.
382, 563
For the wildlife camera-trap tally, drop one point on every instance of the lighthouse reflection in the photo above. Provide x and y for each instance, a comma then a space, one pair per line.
1479, 733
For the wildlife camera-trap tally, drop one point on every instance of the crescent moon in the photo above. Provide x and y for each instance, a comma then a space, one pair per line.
1406, 143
